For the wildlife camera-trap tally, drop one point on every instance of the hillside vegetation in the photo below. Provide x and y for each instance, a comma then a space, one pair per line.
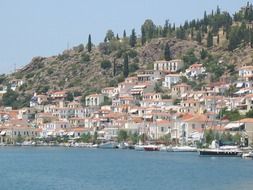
222, 42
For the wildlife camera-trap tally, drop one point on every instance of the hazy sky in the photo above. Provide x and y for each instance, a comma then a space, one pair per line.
31, 28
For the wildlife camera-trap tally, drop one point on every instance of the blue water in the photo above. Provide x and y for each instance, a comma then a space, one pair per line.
96, 169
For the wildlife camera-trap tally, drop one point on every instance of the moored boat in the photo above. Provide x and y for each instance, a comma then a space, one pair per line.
216, 150
151, 148
184, 149
108, 145
248, 155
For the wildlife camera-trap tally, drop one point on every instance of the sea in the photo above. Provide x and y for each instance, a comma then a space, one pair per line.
54, 168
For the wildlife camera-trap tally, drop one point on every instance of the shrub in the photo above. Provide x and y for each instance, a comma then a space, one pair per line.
106, 64
133, 67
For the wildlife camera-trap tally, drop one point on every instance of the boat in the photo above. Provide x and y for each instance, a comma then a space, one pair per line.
151, 147
108, 145
216, 150
122, 145
184, 149
248, 155
139, 147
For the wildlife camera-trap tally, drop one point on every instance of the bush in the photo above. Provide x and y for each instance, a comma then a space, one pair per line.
85, 58
133, 67
106, 64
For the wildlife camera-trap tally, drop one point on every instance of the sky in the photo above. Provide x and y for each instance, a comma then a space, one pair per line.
30, 28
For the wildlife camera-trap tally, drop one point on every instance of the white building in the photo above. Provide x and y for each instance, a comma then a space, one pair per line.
94, 100
171, 79
169, 66
195, 70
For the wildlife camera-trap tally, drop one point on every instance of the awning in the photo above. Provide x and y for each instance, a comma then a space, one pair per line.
133, 110
3, 133
50, 133
70, 133
233, 125
242, 91
147, 116
239, 84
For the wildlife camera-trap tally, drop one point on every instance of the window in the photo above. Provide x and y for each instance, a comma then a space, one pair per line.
193, 126
202, 126
162, 129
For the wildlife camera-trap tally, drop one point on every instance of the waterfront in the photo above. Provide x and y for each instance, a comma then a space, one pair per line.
54, 168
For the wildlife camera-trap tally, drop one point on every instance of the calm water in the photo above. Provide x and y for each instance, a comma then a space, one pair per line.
96, 169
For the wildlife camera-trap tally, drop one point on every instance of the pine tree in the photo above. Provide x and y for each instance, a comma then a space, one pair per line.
205, 18
218, 39
143, 36
209, 40
133, 39
114, 67
251, 39
167, 53
124, 34
89, 45
126, 70
117, 37
192, 33
166, 28
199, 37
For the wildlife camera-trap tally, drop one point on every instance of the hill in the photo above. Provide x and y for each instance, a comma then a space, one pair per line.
220, 41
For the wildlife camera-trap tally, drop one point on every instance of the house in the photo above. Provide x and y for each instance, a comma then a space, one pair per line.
195, 70
171, 79
55, 128
190, 106
109, 91
246, 73
179, 89
159, 128
149, 75
168, 66
189, 124
94, 100
58, 95
152, 96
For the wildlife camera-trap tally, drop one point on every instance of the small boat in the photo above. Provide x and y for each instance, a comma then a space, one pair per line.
151, 147
184, 149
122, 145
139, 147
248, 155
108, 145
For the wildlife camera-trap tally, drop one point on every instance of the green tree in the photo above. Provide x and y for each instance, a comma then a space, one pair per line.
122, 135
166, 28
209, 39
249, 114
209, 136
125, 70
69, 97
133, 39
218, 39
86, 137
89, 45
109, 35
199, 37
114, 67
203, 53
149, 29
10, 98
143, 36
167, 53
106, 64
124, 34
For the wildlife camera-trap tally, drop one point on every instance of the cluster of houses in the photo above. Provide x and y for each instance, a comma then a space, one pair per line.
184, 114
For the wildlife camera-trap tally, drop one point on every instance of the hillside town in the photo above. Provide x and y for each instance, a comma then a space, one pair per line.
137, 106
